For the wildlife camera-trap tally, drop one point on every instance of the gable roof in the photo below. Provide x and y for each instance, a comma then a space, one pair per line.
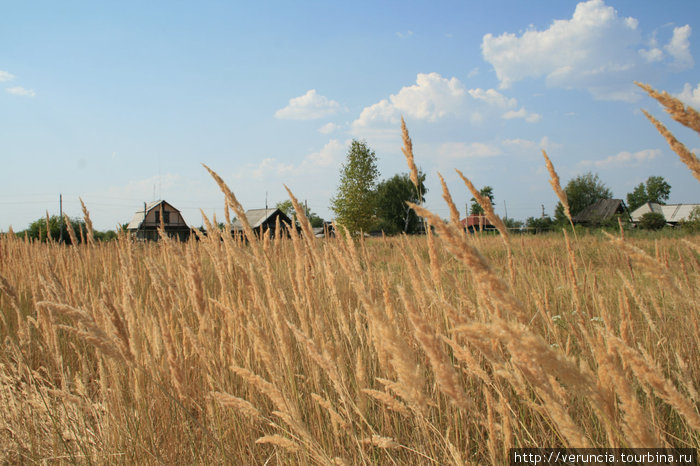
138, 217
603, 210
257, 217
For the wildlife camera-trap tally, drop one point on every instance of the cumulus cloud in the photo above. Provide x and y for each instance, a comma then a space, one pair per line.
690, 96
328, 128
679, 47
431, 98
625, 159
5, 76
597, 50
18, 90
493, 97
309, 106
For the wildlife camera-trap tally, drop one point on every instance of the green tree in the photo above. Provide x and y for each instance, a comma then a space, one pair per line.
394, 214
581, 192
540, 223
37, 229
475, 208
355, 202
652, 221
655, 189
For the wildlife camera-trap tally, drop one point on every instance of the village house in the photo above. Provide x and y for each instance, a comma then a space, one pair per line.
263, 220
602, 212
145, 223
475, 223
673, 213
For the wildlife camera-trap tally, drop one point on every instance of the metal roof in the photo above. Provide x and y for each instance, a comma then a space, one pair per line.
673, 213
257, 217
601, 211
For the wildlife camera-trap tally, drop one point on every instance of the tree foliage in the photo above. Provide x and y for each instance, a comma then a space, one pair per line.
655, 189
355, 204
475, 208
395, 216
581, 192
37, 229
540, 223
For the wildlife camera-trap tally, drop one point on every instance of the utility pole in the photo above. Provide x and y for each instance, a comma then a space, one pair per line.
60, 209
505, 207
542, 210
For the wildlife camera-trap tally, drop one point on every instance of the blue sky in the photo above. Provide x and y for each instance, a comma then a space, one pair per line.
120, 102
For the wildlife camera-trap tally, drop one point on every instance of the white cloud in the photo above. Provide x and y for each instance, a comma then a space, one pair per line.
596, 50
308, 107
493, 97
679, 47
522, 113
5, 76
431, 98
625, 159
404, 35
329, 156
690, 96
328, 128
526, 145
21, 91
461, 150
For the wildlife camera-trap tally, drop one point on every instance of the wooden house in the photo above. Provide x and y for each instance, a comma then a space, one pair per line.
263, 220
602, 212
145, 223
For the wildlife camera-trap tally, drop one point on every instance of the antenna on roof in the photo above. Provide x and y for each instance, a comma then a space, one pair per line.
160, 191
265, 200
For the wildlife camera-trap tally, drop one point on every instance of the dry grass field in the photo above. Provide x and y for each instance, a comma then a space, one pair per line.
440, 349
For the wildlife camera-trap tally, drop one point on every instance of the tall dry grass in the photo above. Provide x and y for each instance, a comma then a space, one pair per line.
409, 350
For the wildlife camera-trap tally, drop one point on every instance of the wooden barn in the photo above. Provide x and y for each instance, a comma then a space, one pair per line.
602, 212
263, 220
145, 223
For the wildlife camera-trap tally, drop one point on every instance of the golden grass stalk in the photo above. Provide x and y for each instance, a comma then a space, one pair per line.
485, 203
407, 150
556, 185
71, 232
239, 404
234, 204
278, 440
687, 157
88, 224
489, 284
454, 213
683, 114
380, 442
648, 372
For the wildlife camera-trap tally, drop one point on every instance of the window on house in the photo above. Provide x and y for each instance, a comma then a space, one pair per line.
157, 216
166, 217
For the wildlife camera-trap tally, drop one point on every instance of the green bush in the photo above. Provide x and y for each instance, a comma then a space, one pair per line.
652, 221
